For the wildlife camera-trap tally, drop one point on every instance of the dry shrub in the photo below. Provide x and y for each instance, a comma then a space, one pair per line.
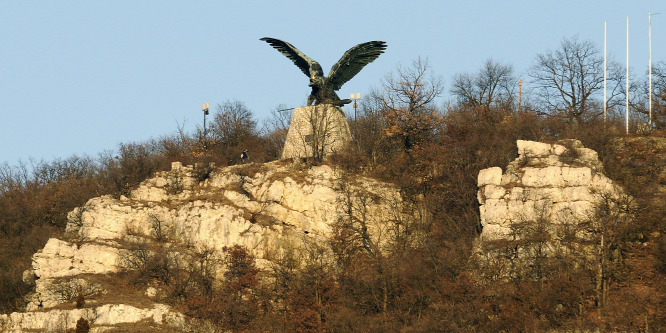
351, 159
202, 171
149, 262
80, 299
571, 155
82, 325
249, 169
661, 254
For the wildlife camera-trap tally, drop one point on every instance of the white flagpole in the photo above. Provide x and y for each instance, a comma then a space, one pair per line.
650, 68
626, 102
605, 72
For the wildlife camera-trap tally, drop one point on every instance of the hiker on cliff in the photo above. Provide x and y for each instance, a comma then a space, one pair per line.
244, 156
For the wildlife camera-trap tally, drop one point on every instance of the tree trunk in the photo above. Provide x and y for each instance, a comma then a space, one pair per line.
600, 275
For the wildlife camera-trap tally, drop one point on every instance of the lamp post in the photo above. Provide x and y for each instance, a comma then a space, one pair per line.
355, 98
204, 108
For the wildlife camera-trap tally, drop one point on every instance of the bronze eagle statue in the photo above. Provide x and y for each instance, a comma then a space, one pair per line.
324, 88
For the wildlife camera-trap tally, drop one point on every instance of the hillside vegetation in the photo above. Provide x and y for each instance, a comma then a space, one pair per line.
425, 281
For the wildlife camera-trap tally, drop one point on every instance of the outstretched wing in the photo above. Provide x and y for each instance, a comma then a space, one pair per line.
353, 61
305, 63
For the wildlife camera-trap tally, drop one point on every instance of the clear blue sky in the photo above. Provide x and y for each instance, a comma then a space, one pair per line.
80, 77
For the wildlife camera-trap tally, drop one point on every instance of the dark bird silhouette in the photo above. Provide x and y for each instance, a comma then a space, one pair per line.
324, 88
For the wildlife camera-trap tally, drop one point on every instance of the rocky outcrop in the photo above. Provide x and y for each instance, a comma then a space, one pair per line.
104, 317
551, 206
561, 183
189, 209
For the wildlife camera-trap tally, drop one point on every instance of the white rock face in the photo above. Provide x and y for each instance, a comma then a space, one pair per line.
107, 316
261, 207
561, 183
59, 259
490, 176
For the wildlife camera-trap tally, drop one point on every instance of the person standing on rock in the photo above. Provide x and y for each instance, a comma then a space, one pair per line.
244, 156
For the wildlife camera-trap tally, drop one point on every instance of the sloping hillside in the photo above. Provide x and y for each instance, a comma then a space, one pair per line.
122, 257
286, 247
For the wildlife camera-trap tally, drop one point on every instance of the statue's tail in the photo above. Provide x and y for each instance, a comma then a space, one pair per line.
342, 102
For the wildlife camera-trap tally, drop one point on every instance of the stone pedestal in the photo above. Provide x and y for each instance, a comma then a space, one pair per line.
316, 131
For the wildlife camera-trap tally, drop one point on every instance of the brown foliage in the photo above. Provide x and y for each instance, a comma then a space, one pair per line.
80, 299
34, 202
422, 280
82, 325
408, 104
241, 274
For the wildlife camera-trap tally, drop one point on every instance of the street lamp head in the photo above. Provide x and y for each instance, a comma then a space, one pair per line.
358, 95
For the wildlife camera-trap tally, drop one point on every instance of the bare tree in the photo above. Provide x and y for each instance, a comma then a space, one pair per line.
232, 130
568, 79
640, 102
368, 129
492, 85
279, 120
233, 123
408, 103
275, 129
659, 97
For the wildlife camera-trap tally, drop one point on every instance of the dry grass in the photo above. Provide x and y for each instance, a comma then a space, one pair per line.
139, 327
119, 290
297, 175
249, 170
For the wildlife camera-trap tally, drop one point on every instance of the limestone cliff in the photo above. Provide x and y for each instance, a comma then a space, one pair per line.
263, 207
550, 194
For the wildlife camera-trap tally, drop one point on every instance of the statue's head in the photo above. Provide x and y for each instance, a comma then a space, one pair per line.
316, 81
